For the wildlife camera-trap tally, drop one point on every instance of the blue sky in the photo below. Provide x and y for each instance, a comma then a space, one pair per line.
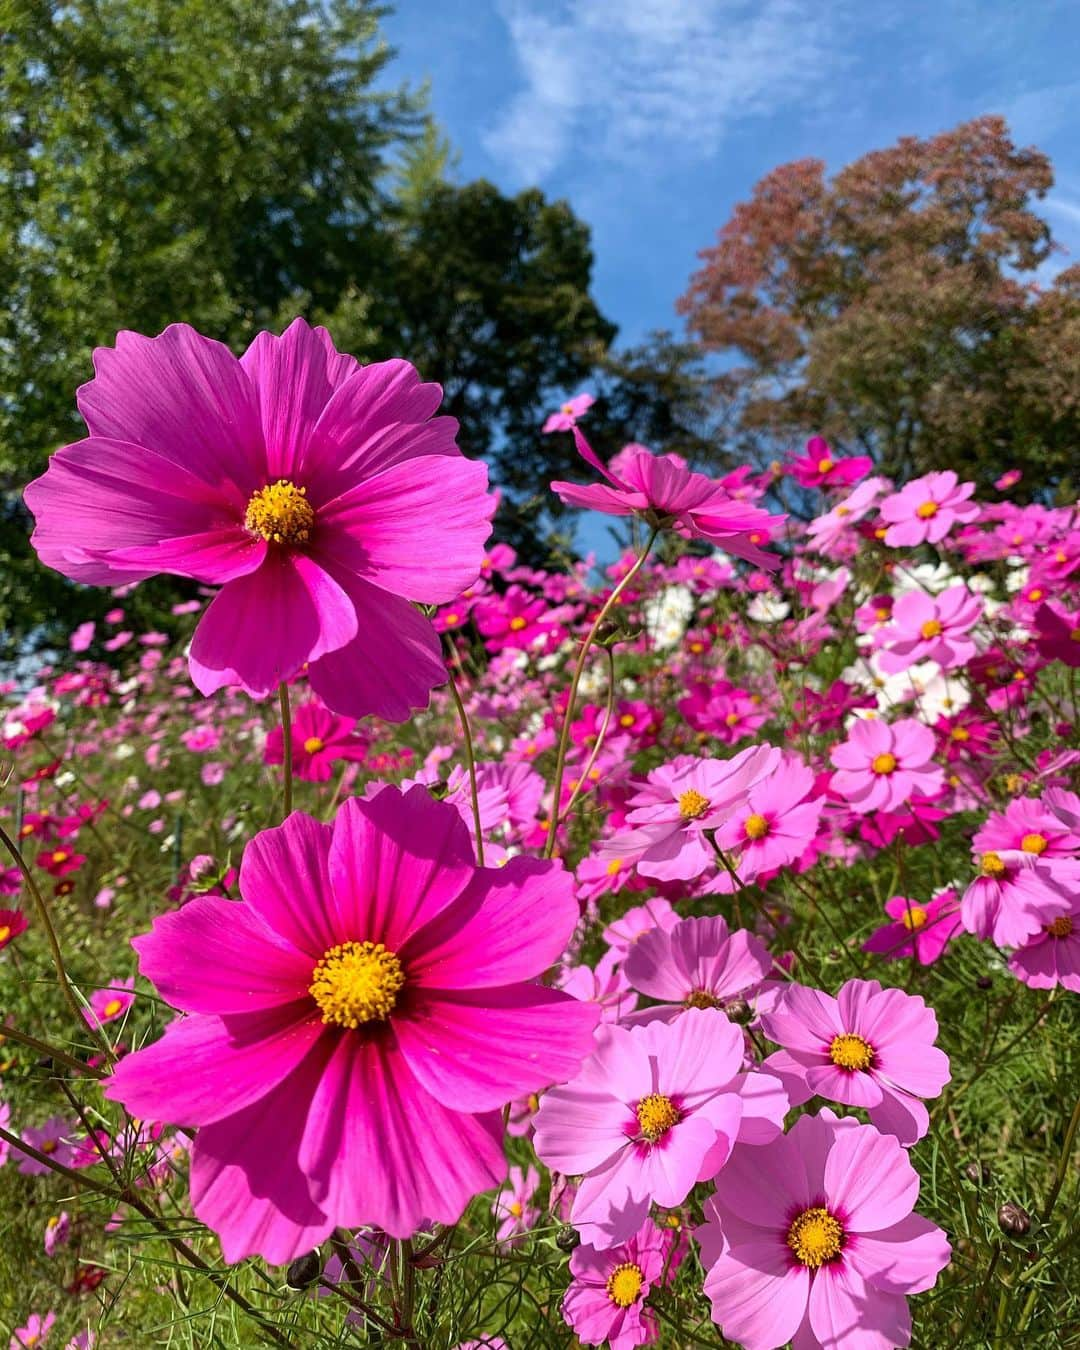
654, 117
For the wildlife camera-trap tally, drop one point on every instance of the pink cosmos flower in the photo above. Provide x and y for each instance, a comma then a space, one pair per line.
1052, 956
921, 930
662, 490
624, 932
1031, 826
34, 1333
513, 621
812, 1240
930, 628
829, 530
106, 1005
696, 964
1015, 896
606, 986
53, 1139
868, 1046
926, 509
355, 1024
57, 1231
774, 825
566, 417
881, 764
513, 1206
820, 468
321, 496
606, 1301
655, 1110
320, 739
82, 637
12, 924
723, 711
5, 1122
677, 802
1058, 635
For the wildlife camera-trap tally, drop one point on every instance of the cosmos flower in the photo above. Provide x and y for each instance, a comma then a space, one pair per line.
513, 1205
927, 508
882, 764
53, 1139
606, 1303
820, 468
919, 929
321, 496
355, 1024
1015, 895
320, 739
812, 1239
930, 628
774, 825
868, 1047
33, 1333
565, 418
12, 924
107, 1005
1051, 956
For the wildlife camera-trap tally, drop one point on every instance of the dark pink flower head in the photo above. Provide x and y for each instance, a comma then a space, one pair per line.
774, 825
320, 738
566, 416
868, 1046
926, 509
1058, 635
696, 964
655, 1110
881, 764
820, 468
930, 628
321, 496
664, 492
12, 924
921, 929
679, 801
812, 1240
107, 1005
606, 1303
355, 1023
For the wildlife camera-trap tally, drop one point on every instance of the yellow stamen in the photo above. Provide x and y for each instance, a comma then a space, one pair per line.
1061, 927
824, 465
701, 998
692, 805
357, 982
756, 827
656, 1115
926, 510
517, 623
515, 1208
913, 918
960, 734
992, 865
5, 931
884, 764
931, 628
732, 719
60, 855
281, 513
313, 745
815, 1237
1034, 843
624, 1284
851, 1052
626, 720
111, 1008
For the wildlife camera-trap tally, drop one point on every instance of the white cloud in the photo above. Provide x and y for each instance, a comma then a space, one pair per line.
639, 80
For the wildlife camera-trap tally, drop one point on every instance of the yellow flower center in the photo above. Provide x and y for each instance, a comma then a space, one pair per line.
926, 510
992, 865
656, 1115
756, 827
732, 719
1061, 927
1034, 843
624, 1284
931, 628
843, 510
692, 805
913, 918
5, 931
49, 1145
313, 745
626, 720
281, 513
60, 855
517, 623
824, 465
1035, 593
701, 998
815, 1237
960, 734
515, 1208
112, 1007
885, 763
851, 1052
356, 982
613, 866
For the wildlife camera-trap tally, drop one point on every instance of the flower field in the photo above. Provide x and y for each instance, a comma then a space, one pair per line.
428, 949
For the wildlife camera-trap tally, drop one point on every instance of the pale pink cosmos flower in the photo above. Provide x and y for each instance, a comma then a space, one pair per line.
54, 1139
82, 637
1045, 828
606, 986
34, 1333
882, 764
653, 1111
930, 628
565, 418
606, 1303
926, 509
868, 1046
513, 1205
1051, 957
667, 494
696, 964
622, 933
321, 496
1016, 895
57, 1232
812, 1240
677, 802
826, 531
919, 929
773, 826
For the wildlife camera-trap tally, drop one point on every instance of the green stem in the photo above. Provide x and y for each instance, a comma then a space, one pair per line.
1063, 1165
286, 733
601, 735
470, 764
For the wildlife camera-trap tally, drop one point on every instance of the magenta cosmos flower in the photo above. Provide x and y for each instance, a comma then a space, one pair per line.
930, 628
665, 493
1052, 956
320, 739
926, 509
774, 826
868, 1047
677, 802
921, 930
812, 1240
12, 925
820, 468
321, 496
355, 1023
655, 1110
696, 964
606, 1302
882, 764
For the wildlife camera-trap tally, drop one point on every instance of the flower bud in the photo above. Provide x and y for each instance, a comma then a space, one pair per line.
567, 1238
739, 1011
304, 1271
1014, 1219
977, 1173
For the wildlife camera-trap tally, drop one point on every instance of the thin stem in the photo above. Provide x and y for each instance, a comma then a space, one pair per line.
44, 1048
286, 734
54, 945
601, 735
1063, 1165
470, 764
579, 667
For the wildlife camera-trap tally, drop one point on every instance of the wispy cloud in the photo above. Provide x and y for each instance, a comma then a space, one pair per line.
634, 80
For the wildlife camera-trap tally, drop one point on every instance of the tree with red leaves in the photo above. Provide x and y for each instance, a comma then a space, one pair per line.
895, 310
